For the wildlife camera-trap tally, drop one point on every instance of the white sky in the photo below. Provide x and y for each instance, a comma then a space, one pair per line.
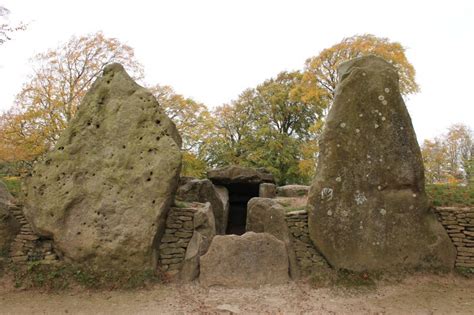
213, 50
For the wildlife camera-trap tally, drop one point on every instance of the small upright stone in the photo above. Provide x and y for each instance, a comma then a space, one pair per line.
104, 191
367, 205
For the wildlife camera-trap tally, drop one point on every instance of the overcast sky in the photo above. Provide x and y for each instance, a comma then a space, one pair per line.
213, 50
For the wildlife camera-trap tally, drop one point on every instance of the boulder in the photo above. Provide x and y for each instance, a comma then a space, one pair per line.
204, 232
9, 226
293, 191
235, 174
266, 215
249, 260
267, 190
104, 191
367, 205
202, 190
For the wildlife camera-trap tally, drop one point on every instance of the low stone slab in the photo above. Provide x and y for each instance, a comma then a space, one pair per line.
250, 260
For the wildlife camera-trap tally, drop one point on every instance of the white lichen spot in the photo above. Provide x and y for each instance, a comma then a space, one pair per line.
383, 211
381, 97
361, 115
357, 130
380, 160
369, 161
329, 213
338, 179
376, 126
343, 125
326, 194
412, 207
368, 156
383, 118
359, 198
401, 128
364, 74
387, 90
344, 213
414, 195
338, 145
379, 187
384, 102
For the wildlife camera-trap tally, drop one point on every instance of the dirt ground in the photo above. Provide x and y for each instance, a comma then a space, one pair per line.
418, 294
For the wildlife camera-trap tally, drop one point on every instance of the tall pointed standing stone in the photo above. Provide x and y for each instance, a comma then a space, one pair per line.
367, 205
103, 193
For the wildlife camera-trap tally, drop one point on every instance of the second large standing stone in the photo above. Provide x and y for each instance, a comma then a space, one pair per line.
367, 205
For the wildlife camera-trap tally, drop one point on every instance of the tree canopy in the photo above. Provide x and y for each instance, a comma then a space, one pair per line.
321, 70
49, 100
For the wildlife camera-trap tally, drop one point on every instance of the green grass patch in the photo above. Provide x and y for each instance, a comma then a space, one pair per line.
13, 184
60, 276
445, 195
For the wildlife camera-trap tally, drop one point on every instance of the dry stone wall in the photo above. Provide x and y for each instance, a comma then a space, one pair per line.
178, 232
308, 258
27, 246
459, 223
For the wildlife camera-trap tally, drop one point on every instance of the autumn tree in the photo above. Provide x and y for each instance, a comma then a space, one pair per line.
269, 126
194, 123
49, 100
5, 28
321, 71
450, 156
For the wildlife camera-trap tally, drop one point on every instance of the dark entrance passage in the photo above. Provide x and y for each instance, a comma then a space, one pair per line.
239, 196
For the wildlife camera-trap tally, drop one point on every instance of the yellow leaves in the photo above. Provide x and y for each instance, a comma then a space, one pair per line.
321, 70
50, 99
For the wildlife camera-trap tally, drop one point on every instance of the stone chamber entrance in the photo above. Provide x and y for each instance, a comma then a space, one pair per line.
242, 184
239, 196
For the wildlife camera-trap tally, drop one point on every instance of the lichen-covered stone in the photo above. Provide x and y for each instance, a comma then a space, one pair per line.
250, 260
367, 205
104, 191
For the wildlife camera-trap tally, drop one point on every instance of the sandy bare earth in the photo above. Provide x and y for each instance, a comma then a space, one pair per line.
415, 295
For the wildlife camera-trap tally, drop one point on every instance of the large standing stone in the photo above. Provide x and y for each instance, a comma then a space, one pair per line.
250, 260
103, 193
367, 205
202, 190
9, 226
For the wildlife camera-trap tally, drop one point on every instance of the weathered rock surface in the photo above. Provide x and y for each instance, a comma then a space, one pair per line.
104, 191
293, 191
267, 190
235, 174
202, 190
266, 215
9, 226
204, 232
250, 260
367, 205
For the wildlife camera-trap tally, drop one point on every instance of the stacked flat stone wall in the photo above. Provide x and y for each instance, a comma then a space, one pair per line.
27, 246
308, 258
178, 232
459, 223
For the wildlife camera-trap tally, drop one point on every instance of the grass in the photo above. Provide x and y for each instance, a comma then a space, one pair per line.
13, 184
451, 195
60, 276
